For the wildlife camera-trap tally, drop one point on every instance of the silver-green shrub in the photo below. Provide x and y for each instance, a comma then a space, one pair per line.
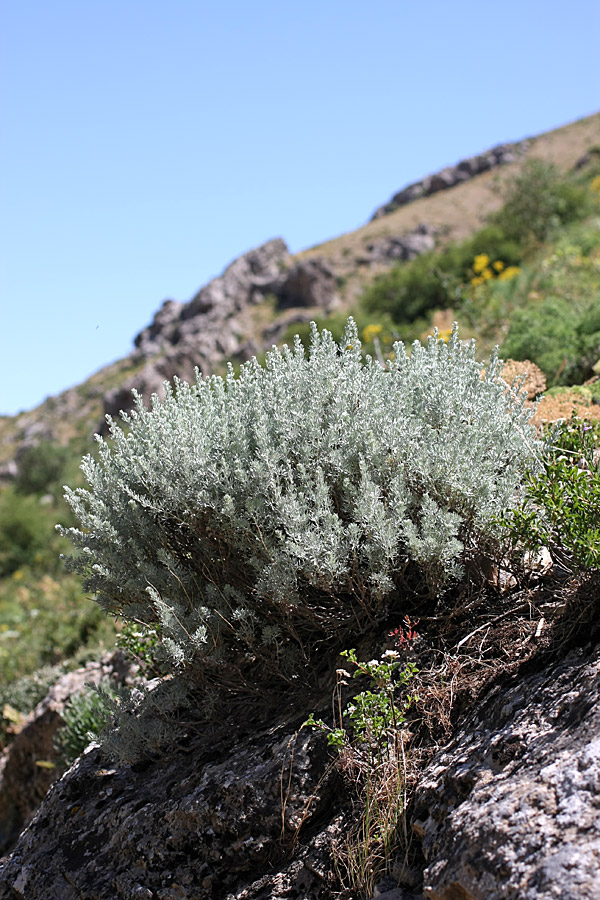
262, 517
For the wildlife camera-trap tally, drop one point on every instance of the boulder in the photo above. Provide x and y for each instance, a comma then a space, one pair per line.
211, 329
510, 809
30, 764
400, 247
207, 315
309, 282
207, 821
535, 380
507, 810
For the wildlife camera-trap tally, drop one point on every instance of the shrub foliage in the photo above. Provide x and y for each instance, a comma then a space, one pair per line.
561, 507
258, 518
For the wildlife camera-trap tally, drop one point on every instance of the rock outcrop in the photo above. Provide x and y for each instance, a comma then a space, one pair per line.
508, 810
535, 380
30, 763
402, 247
199, 324
205, 823
211, 328
448, 177
511, 808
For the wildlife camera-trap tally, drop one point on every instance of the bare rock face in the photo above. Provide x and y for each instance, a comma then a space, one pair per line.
401, 247
510, 810
203, 824
452, 175
23, 781
535, 380
205, 323
210, 328
309, 282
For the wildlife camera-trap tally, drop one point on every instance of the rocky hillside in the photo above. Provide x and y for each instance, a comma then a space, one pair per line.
506, 810
239, 785
258, 296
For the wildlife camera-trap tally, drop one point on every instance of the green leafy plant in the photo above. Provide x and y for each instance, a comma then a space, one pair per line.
85, 715
558, 323
370, 739
45, 621
26, 533
561, 508
142, 644
537, 201
41, 468
436, 280
19, 697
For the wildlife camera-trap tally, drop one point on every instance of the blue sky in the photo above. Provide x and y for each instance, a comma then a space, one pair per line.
145, 144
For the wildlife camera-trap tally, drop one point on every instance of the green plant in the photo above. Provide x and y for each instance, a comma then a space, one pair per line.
561, 508
370, 740
561, 339
263, 518
19, 697
142, 644
27, 536
45, 621
41, 468
435, 280
85, 716
537, 201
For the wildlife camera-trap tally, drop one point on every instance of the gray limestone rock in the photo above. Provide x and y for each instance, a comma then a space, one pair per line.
510, 810
401, 247
309, 282
210, 328
203, 319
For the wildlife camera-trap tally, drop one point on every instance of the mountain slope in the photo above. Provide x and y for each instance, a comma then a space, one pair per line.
264, 291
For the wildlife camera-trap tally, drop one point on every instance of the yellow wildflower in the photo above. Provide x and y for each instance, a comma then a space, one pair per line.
509, 273
480, 262
498, 265
477, 280
370, 332
487, 273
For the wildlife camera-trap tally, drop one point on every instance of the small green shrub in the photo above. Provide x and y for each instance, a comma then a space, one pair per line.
85, 715
537, 201
141, 643
561, 509
561, 339
27, 534
41, 468
45, 621
369, 738
260, 519
22, 696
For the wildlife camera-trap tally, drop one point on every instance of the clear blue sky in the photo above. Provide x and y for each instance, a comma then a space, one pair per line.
146, 144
